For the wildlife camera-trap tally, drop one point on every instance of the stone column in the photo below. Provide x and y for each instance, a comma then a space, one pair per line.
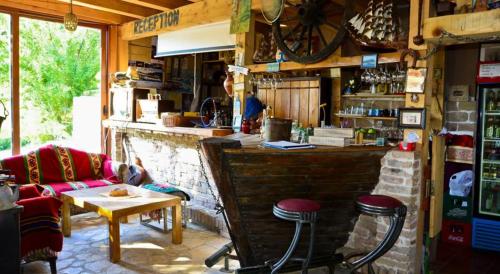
400, 177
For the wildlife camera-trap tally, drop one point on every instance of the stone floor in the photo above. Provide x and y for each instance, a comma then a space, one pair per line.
143, 250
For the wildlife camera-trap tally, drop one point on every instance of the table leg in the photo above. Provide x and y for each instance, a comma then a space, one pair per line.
177, 224
66, 218
114, 239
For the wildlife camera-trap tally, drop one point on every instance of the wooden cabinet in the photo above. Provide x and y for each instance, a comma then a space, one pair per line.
10, 237
300, 99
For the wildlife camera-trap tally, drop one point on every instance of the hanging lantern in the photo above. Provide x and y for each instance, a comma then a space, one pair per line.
70, 19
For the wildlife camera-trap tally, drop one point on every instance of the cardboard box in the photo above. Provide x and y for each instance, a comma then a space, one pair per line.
334, 132
456, 232
329, 141
457, 208
459, 154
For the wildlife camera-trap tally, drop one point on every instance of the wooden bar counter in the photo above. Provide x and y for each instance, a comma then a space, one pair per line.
251, 179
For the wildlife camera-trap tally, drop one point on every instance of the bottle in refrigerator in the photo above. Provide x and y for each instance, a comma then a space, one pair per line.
486, 171
493, 171
492, 102
488, 204
490, 128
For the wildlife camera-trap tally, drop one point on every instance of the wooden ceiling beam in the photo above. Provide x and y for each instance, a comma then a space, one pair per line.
59, 9
125, 9
163, 5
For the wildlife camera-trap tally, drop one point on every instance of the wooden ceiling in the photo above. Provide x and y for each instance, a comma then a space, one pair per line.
95, 11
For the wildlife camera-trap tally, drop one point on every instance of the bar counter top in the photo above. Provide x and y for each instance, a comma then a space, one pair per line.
318, 149
201, 132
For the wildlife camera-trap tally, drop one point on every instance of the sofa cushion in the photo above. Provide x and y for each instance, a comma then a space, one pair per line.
55, 189
35, 167
77, 165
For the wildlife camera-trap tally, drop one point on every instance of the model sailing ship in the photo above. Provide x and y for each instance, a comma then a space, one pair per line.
377, 27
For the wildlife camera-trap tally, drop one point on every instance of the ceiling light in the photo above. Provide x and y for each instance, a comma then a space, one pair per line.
70, 19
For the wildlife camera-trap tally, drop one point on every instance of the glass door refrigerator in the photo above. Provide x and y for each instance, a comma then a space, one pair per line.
486, 220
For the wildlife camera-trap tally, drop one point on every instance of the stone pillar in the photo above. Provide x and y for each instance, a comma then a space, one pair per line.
400, 177
461, 116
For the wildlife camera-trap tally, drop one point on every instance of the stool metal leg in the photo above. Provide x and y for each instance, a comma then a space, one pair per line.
305, 264
296, 238
395, 226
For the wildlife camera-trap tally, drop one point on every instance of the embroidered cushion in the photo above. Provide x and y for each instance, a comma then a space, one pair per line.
35, 167
76, 165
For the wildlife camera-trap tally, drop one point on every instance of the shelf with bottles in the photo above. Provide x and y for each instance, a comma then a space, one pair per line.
490, 198
490, 171
366, 95
492, 101
356, 116
491, 128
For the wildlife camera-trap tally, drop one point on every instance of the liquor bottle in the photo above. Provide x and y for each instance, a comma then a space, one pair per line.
490, 128
489, 202
486, 171
492, 102
493, 171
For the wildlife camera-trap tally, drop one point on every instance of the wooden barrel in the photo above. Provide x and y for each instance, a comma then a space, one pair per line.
276, 129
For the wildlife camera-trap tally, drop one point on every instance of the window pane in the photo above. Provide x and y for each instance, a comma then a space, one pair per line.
5, 87
60, 85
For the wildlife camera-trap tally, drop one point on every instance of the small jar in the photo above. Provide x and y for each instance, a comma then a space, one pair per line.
245, 126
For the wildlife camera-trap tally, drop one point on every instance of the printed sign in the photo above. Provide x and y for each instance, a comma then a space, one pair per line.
273, 67
157, 21
489, 70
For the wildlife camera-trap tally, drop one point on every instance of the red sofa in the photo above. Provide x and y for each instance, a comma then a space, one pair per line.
56, 169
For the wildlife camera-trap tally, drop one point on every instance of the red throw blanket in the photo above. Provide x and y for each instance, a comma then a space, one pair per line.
41, 236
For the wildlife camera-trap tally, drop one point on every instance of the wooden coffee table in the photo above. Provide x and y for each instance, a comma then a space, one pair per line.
114, 208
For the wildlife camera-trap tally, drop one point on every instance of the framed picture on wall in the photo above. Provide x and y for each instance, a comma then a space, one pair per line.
369, 61
412, 118
415, 80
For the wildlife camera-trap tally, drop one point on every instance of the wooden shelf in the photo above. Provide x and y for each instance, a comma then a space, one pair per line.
212, 61
349, 116
333, 61
364, 95
478, 25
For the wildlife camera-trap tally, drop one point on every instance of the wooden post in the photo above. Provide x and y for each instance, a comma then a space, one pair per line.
245, 47
15, 101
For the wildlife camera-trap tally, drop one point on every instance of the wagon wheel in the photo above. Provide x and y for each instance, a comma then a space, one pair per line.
308, 31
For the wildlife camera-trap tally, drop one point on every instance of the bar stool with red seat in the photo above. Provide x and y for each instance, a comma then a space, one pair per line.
300, 211
379, 206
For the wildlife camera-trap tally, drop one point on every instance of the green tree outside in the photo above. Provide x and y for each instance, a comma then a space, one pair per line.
56, 65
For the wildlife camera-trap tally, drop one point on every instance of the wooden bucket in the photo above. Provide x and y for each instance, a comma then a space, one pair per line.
276, 129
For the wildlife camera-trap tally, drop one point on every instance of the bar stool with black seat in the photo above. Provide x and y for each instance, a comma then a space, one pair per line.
300, 211
379, 206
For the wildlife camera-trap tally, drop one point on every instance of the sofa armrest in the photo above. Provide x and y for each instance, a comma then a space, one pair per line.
28, 191
115, 171
40, 206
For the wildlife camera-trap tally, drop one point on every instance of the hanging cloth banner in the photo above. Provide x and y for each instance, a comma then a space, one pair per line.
240, 16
